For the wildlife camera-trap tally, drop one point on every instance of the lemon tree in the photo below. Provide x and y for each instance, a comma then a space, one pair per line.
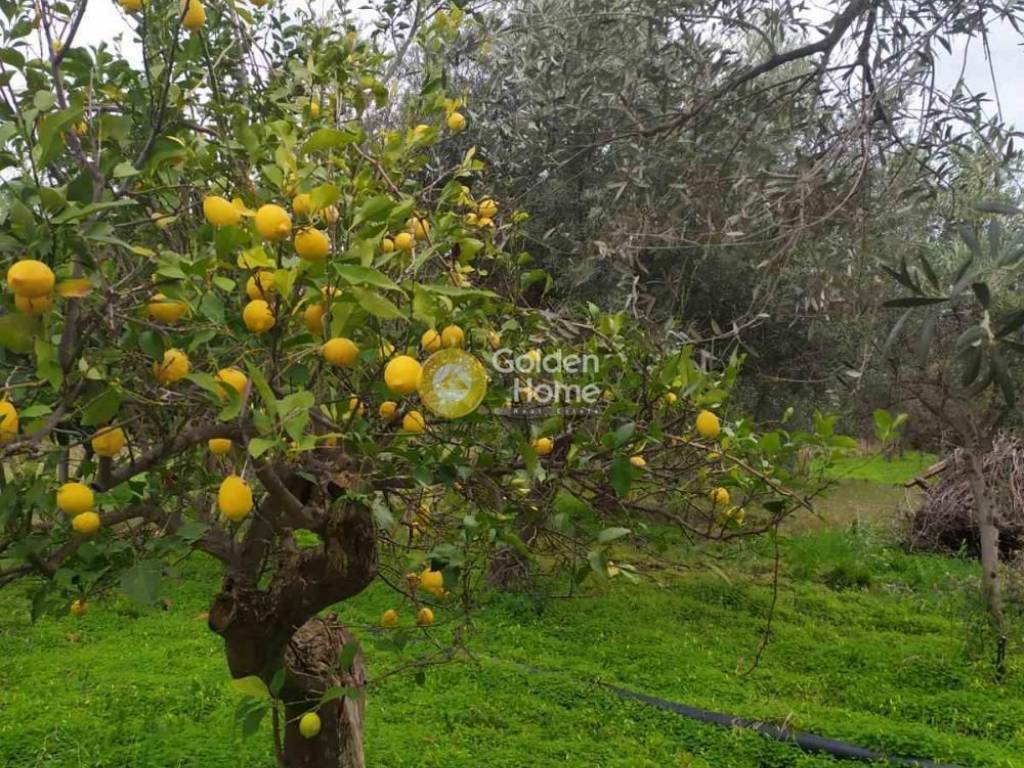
249, 313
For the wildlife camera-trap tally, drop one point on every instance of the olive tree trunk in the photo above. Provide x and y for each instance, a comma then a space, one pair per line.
988, 534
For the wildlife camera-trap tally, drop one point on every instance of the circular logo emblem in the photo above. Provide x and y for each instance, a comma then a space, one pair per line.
453, 384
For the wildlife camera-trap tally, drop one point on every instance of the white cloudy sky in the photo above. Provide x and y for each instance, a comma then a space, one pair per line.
104, 21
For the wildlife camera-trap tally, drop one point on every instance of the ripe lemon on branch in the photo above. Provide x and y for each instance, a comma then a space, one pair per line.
172, 368
108, 442
273, 222
75, 498
220, 212
402, 375
708, 425
234, 498
30, 278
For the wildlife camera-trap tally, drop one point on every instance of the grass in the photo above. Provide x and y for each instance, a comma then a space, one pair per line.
870, 645
877, 469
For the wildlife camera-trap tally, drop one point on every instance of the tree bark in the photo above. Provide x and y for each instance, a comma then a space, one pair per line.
988, 533
311, 662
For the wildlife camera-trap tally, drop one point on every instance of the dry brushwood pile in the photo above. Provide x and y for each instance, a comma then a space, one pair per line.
945, 520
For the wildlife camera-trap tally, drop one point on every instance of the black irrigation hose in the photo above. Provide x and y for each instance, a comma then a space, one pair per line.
808, 742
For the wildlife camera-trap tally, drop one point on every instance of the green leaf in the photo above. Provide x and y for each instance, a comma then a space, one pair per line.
141, 582
260, 445
251, 686
323, 196
17, 333
611, 534
915, 301
620, 476
102, 409
44, 101
376, 304
329, 138
359, 275
623, 434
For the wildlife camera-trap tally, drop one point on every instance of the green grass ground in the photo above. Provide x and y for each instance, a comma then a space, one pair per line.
870, 645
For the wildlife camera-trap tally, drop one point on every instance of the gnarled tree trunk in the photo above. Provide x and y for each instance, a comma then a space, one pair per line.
276, 626
311, 661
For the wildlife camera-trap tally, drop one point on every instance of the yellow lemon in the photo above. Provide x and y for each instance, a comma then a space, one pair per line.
414, 423
671, 398
485, 222
195, 15
403, 241
432, 581
8, 421
487, 209
218, 445
720, 496
430, 341
387, 245
456, 121
38, 305
75, 498
340, 351
108, 442
86, 523
388, 410
220, 212
424, 617
309, 725
452, 336
30, 278
302, 204
402, 375
389, 619
131, 6
234, 498
231, 377
312, 244
314, 109
78, 608
385, 350
261, 285
173, 367
356, 407
273, 222
708, 425
470, 219
419, 227
542, 446
166, 310
313, 318
494, 339
257, 316
638, 461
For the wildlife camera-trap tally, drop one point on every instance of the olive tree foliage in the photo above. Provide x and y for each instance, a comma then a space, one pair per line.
707, 163
962, 307
158, 308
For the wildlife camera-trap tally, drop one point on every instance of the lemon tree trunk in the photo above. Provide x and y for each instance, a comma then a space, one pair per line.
273, 625
312, 668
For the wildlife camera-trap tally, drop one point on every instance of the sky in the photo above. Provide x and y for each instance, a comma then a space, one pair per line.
105, 22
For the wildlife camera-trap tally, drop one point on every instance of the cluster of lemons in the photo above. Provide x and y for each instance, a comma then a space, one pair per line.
76, 500
429, 581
